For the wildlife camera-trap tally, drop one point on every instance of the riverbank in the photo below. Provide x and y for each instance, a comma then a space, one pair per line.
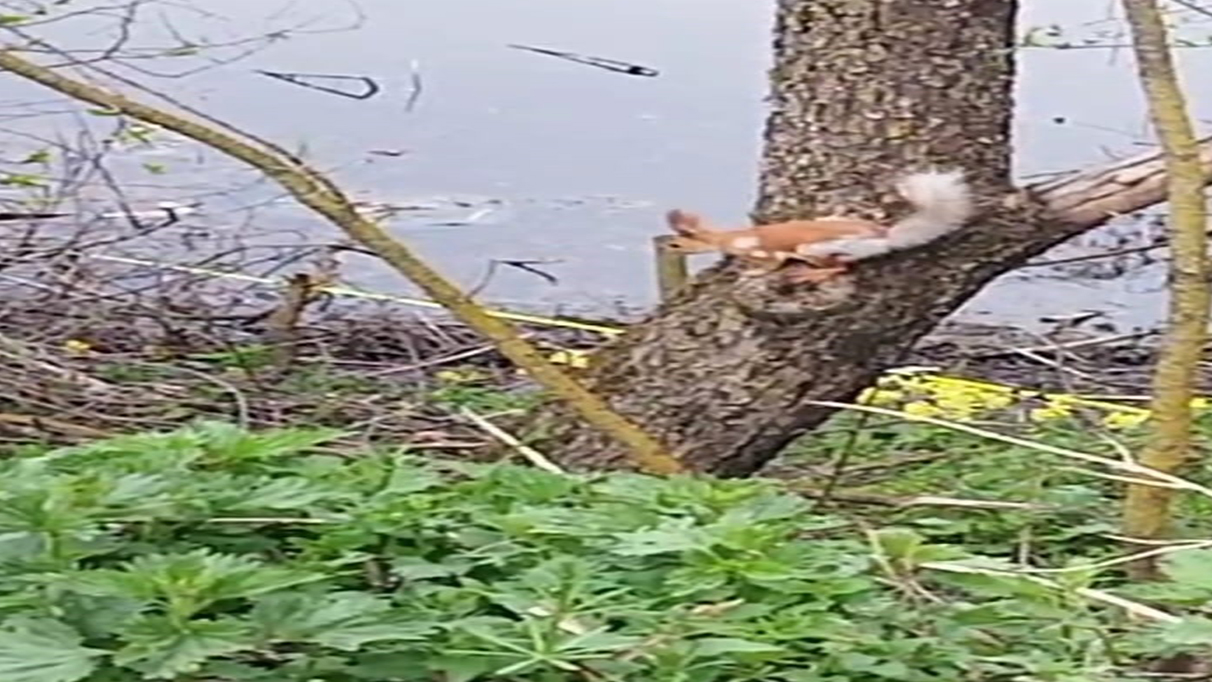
385, 373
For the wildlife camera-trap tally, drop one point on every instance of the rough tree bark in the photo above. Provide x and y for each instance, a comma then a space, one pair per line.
862, 89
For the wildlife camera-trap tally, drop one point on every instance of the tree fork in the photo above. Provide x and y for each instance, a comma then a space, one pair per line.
862, 90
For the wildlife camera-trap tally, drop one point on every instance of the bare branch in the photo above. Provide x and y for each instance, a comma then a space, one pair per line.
1091, 197
317, 192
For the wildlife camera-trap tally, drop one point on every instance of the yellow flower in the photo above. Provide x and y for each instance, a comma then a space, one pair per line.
880, 396
963, 399
891, 381
998, 400
1124, 420
77, 347
958, 407
921, 408
458, 376
913, 384
578, 359
1055, 408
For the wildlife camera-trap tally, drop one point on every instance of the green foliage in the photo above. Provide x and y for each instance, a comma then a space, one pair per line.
211, 553
22, 180
250, 356
40, 650
1074, 510
904, 459
477, 390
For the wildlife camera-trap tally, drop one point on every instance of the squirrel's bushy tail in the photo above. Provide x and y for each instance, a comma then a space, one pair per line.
942, 203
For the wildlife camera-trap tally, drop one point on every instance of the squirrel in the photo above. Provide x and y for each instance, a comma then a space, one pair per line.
828, 246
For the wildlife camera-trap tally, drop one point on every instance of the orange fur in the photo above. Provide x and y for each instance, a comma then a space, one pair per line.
767, 247
822, 248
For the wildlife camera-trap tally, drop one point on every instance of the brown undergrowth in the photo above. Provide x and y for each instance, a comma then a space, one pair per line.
72, 369
383, 375
92, 345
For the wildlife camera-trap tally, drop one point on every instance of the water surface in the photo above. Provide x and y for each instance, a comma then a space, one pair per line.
557, 161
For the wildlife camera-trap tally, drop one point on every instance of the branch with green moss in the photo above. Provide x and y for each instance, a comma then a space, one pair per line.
317, 192
1147, 509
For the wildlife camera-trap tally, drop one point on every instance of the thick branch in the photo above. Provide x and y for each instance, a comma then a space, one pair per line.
1087, 199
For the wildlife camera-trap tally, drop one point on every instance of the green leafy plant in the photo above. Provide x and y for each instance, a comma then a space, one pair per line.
212, 553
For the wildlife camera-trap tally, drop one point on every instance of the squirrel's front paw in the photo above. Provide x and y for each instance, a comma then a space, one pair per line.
809, 275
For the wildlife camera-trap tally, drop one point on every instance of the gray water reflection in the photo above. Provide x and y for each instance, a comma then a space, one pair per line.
578, 164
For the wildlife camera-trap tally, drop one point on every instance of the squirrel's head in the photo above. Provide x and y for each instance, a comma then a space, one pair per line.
690, 234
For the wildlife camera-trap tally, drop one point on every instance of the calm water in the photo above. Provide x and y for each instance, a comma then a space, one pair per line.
561, 161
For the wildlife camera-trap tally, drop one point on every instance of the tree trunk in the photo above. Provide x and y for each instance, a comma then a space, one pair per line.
862, 89
865, 89
1147, 508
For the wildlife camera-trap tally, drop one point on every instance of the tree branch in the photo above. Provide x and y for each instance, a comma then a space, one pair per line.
1086, 199
315, 191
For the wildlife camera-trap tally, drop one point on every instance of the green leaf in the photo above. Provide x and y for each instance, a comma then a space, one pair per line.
1189, 632
414, 664
406, 479
463, 668
280, 493
161, 649
715, 646
232, 671
41, 156
415, 568
97, 617
597, 643
1190, 568
230, 443
43, 651
342, 620
671, 537
182, 51
22, 180
898, 543
192, 581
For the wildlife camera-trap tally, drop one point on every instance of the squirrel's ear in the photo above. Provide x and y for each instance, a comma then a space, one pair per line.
683, 223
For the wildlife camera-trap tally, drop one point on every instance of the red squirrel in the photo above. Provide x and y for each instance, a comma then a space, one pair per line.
828, 246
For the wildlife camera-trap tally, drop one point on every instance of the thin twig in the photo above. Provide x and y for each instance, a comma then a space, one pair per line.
533, 456
1157, 478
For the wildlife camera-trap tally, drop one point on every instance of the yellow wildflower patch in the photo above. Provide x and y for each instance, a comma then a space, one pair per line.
957, 399
943, 397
